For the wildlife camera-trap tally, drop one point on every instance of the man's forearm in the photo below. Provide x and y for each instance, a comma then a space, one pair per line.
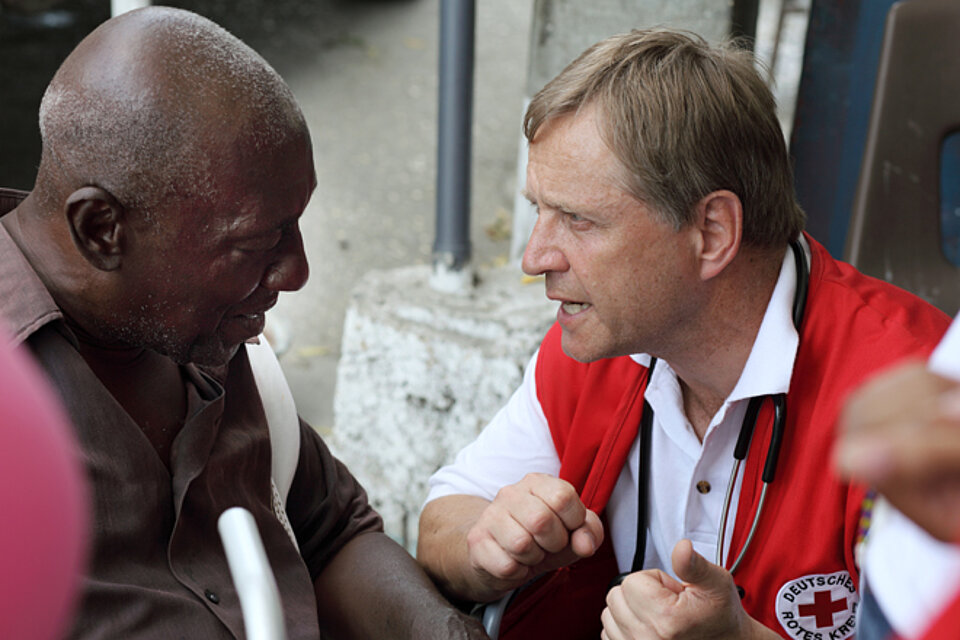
442, 547
373, 589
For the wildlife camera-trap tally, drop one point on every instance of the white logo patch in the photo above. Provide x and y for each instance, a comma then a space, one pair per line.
821, 606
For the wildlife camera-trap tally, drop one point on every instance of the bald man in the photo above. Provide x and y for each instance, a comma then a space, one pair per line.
162, 227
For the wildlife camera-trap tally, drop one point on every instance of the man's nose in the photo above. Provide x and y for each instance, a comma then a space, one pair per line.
291, 270
543, 253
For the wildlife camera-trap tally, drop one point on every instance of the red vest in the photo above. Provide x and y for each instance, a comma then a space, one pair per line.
947, 625
854, 325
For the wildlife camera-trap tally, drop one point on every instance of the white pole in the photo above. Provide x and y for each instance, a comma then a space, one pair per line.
252, 576
122, 6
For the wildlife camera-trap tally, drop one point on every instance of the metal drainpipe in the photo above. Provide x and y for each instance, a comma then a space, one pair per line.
451, 247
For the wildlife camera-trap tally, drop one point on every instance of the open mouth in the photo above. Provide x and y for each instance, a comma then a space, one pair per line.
574, 308
251, 322
258, 311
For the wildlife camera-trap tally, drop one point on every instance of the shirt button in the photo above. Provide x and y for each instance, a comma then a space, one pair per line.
703, 486
212, 597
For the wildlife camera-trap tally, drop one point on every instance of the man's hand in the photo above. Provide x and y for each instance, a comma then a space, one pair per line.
534, 526
651, 604
901, 433
477, 550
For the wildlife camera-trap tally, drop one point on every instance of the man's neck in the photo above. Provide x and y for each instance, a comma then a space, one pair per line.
43, 245
711, 365
148, 385
75, 286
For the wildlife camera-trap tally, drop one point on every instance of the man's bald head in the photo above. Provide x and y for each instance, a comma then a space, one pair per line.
150, 103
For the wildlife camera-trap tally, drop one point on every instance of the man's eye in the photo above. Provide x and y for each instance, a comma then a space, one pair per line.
265, 243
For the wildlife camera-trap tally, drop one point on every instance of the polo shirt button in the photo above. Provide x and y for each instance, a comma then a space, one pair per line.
703, 486
212, 597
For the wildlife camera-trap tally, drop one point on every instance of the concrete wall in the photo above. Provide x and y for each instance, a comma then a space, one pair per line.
421, 373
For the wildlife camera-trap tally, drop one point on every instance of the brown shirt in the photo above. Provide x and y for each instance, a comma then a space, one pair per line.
157, 568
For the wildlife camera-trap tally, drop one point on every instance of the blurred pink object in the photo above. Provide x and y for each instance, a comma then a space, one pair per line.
43, 505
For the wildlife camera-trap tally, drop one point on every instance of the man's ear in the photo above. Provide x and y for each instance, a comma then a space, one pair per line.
97, 222
719, 221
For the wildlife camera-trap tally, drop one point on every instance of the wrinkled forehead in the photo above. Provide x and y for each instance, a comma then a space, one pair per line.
577, 135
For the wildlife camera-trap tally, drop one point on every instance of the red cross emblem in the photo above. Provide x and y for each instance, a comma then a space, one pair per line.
823, 607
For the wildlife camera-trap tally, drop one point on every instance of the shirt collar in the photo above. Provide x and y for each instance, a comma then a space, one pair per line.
769, 367
25, 304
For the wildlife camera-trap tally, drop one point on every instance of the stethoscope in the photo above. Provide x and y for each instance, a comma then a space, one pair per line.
740, 450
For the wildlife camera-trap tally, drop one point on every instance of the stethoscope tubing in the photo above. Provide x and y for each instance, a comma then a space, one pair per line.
741, 448
769, 470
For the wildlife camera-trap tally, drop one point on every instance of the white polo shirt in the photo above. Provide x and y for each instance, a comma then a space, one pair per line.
517, 441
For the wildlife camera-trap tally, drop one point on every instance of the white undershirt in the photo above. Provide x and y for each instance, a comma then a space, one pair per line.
517, 441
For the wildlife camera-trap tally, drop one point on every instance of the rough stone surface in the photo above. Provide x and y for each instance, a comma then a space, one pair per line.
422, 372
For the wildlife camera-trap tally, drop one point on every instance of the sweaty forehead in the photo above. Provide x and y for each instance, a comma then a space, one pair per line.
569, 154
259, 193
574, 137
